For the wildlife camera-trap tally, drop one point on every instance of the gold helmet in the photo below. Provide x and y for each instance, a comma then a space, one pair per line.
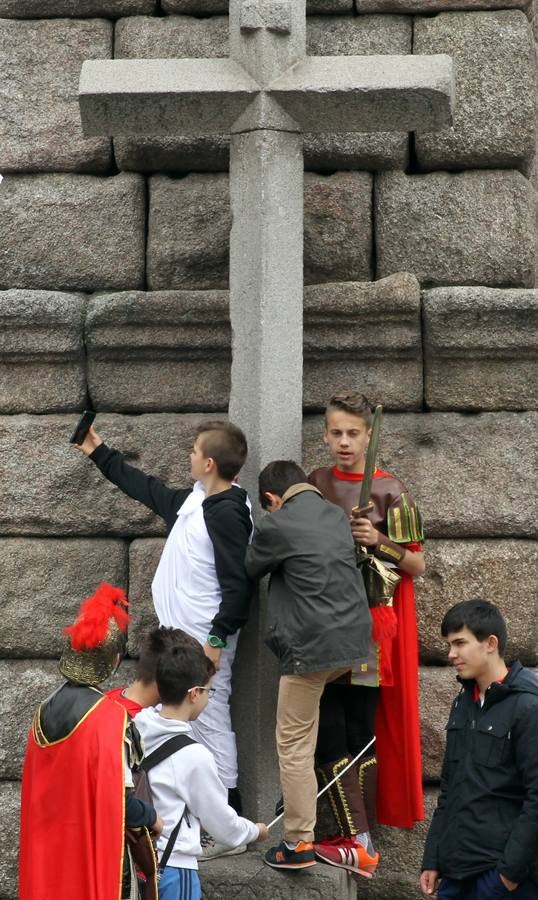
97, 638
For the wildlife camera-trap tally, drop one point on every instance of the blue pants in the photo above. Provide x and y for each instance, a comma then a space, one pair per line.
179, 884
486, 886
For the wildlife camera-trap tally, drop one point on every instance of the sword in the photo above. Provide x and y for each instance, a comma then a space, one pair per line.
365, 505
343, 772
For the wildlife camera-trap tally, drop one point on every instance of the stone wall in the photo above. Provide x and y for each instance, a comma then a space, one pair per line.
419, 273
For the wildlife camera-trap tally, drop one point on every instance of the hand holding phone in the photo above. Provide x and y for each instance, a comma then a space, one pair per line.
82, 427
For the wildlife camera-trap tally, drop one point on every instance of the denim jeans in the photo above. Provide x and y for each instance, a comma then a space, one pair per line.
486, 886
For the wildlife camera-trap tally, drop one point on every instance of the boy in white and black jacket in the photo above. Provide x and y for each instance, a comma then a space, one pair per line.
201, 584
186, 786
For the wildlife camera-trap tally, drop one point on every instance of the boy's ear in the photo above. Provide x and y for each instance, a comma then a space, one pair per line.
325, 436
210, 464
274, 501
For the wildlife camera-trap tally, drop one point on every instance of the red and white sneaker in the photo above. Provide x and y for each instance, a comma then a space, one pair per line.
347, 854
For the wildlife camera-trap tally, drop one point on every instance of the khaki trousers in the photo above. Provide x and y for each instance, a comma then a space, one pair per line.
297, 719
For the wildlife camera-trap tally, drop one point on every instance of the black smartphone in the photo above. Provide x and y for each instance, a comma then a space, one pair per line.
83, 426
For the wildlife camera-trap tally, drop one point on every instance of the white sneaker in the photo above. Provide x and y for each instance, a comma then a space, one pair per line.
212, 849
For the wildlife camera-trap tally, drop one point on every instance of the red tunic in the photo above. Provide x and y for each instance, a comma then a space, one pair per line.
400, 799
72, 810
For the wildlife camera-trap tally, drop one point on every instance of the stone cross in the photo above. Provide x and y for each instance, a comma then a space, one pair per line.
266, 95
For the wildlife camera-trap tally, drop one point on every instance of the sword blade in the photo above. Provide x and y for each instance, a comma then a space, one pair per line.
369, 466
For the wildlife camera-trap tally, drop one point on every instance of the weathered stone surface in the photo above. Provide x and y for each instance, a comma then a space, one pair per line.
23, 685
439, 455
366, 334
253, 880
170, 350
43, 582
503, 571
434, 6
72, 232
40, 64
60, 492
163, 38
193, 252
9, 839
194, 7
402, 851
494, 115
182, 36
41, 9
437, 689
313, 7
144, 556
469, 228
165, 350
211, 7
480, 347
462, 469
188, 232
145, 37
363, 35
338, 227
41, 351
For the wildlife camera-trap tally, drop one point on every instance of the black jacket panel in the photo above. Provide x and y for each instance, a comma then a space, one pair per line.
487, 814
151, 491
228, 523
318, 611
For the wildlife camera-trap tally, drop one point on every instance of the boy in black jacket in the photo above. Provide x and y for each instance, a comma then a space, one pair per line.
483, 838
201, 584
320, 627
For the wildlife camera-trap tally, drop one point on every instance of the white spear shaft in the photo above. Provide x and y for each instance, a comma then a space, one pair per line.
327, 786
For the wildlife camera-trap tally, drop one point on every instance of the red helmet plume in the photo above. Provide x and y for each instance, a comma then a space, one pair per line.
93, 622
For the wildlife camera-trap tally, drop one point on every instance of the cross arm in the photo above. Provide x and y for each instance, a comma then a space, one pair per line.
368, 93
162, 96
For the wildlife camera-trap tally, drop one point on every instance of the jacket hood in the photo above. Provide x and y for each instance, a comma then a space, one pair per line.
235, 494
518, 680
155, 729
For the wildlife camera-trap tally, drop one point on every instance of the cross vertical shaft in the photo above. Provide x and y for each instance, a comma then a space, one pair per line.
266, 294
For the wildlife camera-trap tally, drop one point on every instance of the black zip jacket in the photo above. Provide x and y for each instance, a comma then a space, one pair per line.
226, 518
487, 813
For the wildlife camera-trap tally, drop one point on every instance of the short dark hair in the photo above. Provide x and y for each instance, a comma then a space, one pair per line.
154, 644
351, 402
481, 617
226, 444
180, 668
277, 477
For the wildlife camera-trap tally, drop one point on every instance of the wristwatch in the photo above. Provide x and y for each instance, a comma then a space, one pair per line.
216, 642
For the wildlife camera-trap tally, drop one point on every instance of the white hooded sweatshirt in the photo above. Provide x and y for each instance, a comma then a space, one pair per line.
189, 779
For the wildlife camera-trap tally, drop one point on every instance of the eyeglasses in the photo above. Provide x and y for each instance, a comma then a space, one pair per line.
198, 687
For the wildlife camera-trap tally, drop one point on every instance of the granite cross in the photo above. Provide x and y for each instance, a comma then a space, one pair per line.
266, 95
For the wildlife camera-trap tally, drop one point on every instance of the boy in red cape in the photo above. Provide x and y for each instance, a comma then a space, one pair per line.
382, 694
73, 805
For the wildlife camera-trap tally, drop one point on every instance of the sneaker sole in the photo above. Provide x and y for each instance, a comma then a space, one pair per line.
235, 851
303, 865
366, 873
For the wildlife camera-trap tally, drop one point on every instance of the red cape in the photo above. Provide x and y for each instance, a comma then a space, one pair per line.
72, 810
399, 783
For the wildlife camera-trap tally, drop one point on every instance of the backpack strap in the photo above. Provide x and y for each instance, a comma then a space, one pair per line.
159, 755
165, 750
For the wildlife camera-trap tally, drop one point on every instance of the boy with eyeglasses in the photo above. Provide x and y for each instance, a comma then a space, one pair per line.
186, 787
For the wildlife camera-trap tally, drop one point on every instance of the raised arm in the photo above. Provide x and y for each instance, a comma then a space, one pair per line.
147, 489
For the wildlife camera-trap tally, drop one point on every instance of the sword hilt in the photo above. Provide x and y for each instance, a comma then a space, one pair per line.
358, 512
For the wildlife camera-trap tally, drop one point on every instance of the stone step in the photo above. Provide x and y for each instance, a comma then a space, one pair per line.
247, 877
